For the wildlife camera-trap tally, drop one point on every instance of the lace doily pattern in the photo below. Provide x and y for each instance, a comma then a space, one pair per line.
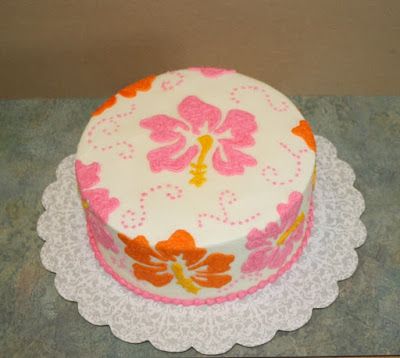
284, 305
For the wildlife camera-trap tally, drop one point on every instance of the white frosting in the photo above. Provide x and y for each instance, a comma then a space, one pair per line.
127, 179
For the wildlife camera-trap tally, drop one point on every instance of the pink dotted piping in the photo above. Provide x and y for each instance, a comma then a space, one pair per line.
110, 126
256, 275
273, 178
207, 301
129, 220
225, 197
282, 107
169, 85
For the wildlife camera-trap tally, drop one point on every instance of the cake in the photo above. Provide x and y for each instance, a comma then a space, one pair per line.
197, 185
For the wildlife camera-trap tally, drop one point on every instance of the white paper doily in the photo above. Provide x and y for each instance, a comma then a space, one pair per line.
285, 305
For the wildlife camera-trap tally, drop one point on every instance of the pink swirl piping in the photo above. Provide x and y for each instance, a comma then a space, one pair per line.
214, 300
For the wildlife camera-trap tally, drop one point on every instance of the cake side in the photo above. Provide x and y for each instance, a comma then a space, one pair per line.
168, 284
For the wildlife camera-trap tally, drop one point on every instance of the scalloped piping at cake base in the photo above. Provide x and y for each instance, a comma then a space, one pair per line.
207, 301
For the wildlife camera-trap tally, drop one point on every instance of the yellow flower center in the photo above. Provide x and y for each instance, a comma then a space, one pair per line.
85, 204
185, 282
292, 227
199, 168
314, 177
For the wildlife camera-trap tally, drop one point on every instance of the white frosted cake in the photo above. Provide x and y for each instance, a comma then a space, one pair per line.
197, 185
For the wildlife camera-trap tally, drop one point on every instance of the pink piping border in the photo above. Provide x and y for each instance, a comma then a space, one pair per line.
207, 301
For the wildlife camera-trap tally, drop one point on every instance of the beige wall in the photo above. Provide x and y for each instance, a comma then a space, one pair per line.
92, 47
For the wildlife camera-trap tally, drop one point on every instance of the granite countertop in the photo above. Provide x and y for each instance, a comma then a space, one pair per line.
35, 321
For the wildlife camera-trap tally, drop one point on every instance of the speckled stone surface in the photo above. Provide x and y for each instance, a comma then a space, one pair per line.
35, 321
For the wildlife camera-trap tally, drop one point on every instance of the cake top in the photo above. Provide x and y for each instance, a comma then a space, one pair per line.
208, 151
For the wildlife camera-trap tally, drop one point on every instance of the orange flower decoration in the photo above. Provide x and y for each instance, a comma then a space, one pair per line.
107, 104
130, 91
179, 258
142, 85
304, 131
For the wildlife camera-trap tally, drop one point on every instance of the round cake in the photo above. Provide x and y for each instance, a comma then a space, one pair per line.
197, 185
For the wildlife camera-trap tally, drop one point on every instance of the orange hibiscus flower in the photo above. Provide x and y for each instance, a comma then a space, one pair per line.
304, 131
105, 105
141, 85
179, 258
130, 91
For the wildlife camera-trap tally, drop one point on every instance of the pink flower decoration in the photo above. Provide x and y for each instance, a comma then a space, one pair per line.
98, 200
203, 121
87, 175
211, 72
271, 246
99, 232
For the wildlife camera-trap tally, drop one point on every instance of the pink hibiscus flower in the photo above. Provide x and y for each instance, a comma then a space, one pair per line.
271, 246
97, 200
211, 72
202, 122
